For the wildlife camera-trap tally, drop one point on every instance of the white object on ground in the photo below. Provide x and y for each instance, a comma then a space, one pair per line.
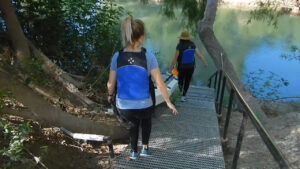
171, 85
110, 111
83, 136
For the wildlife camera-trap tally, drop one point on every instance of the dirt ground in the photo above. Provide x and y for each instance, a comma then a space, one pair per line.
61, 152
283, 127
58, 151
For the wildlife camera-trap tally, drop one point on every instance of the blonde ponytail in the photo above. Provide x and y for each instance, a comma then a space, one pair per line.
126, 30
131, 30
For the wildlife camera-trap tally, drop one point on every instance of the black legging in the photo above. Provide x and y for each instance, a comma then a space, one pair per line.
184, 78
137, 116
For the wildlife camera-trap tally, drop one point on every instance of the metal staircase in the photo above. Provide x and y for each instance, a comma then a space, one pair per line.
188, 140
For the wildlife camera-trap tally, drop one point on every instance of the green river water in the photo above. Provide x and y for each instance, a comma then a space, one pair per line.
250, 47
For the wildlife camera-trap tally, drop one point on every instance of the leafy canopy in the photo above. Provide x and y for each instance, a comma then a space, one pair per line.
191, 10
74, 34
268, 12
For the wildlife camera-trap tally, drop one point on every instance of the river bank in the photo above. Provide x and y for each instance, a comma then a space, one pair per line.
48, 147
286, 5
283, 125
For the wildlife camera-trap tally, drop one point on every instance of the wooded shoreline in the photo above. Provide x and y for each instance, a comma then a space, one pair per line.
285, 5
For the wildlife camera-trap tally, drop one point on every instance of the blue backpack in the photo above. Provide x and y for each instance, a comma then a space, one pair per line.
188, 56
133, 81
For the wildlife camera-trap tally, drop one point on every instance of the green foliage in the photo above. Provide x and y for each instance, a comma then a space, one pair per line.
3, 95
192, 10
97, 79
37, 73
74, 34
14, 135
168, 8
175, 96
264, 85
44, 149
267, 12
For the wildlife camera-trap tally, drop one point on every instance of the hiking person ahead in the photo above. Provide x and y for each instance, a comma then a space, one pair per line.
130, 73
184, 57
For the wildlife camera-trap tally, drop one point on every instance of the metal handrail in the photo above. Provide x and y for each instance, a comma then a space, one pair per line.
277, 154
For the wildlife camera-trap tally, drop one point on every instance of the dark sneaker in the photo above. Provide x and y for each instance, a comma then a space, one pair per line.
144, 152
133, 155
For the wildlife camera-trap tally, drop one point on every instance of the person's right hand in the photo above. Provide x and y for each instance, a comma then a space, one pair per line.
172, 107
110, 99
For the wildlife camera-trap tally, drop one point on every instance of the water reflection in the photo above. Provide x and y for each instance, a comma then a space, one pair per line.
250, 47
267, 56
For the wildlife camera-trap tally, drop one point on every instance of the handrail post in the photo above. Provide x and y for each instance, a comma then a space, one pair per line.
222, 95
228, 114
239, 141
219, 85
111, 149
216, 76
209, 82
268, 141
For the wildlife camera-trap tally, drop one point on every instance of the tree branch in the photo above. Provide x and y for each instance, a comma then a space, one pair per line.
78, 77
62, 77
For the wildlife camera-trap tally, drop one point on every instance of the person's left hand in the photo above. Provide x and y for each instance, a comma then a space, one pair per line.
172, 108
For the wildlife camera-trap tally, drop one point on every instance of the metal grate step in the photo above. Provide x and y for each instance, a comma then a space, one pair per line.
188, 140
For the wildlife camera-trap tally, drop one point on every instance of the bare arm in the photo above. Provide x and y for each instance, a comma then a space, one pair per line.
201, 57
155, 73
174, 61
111, 84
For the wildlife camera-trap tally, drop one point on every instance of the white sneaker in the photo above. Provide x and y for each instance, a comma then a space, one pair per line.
182, 99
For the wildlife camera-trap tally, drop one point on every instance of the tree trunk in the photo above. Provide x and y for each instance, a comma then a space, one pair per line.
21, 46
62, 78
15, 31
219, 56
42, 111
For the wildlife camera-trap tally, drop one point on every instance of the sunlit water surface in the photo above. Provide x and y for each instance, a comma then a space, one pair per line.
251, 47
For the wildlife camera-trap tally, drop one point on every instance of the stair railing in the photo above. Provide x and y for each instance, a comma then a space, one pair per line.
221, 76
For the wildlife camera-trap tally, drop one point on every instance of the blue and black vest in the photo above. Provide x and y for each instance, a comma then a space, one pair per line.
133, 80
